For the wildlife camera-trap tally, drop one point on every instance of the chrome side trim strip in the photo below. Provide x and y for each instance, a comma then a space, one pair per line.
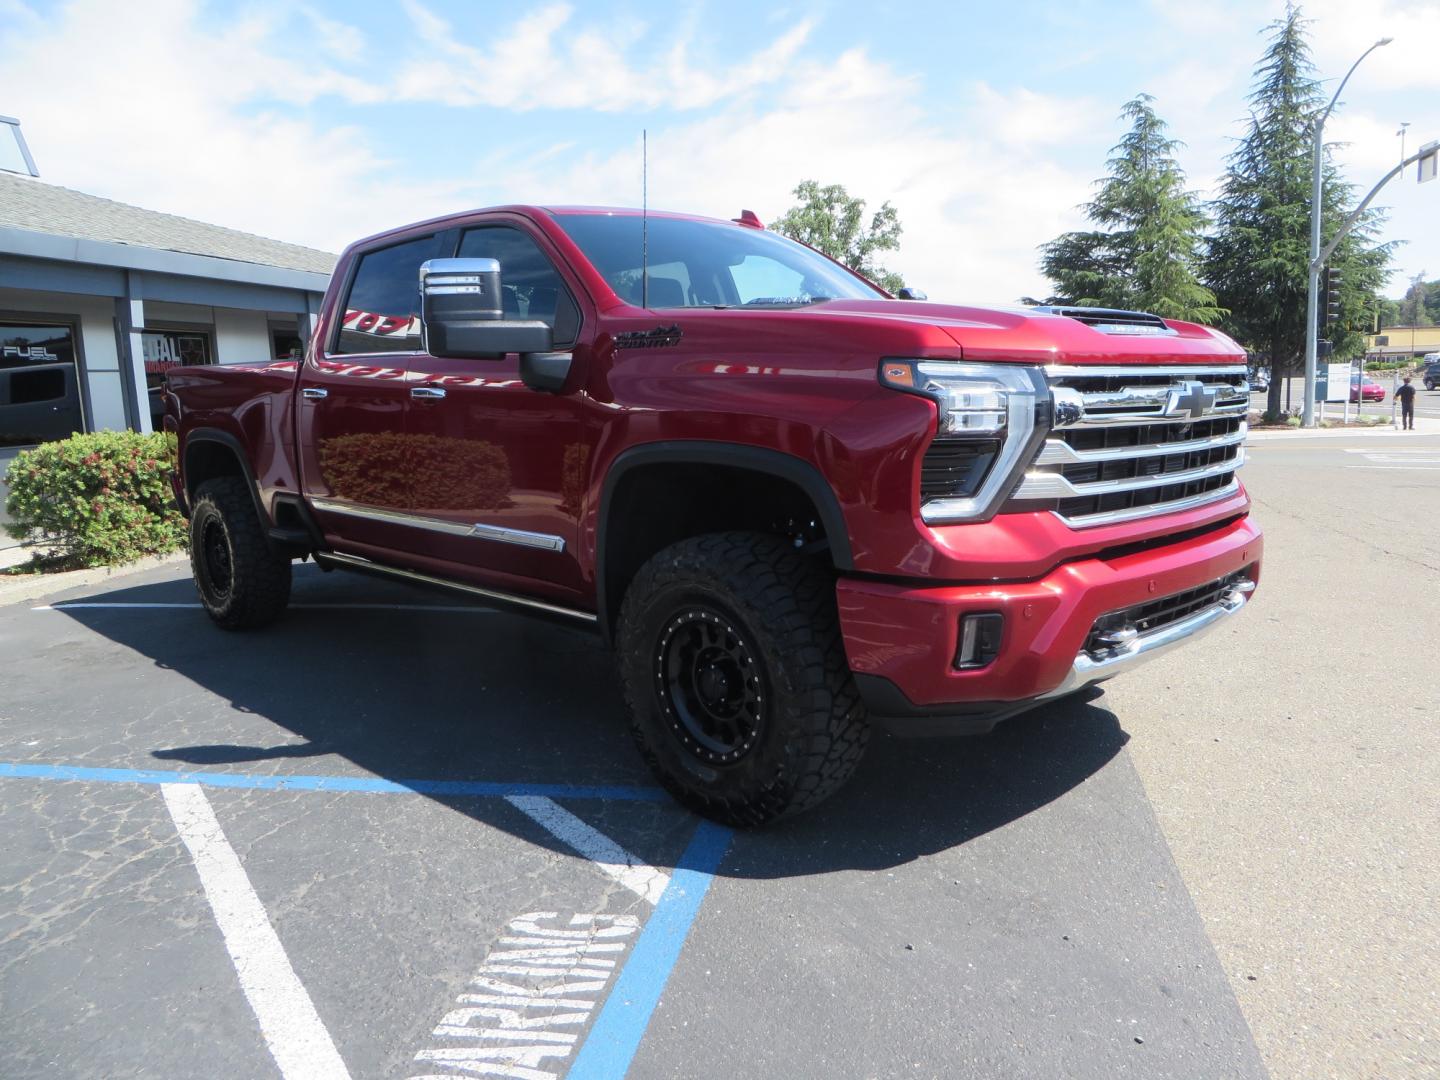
1116, 517
1087, 670
359, 563
480, 531
1055, 486
1193, 370
1059, 452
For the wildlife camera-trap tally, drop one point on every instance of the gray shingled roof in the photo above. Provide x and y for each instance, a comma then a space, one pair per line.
27, 203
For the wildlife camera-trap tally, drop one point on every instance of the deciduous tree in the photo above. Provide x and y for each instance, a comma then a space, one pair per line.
830, 220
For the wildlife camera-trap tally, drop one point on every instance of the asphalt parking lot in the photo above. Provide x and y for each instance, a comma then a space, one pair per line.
397, 836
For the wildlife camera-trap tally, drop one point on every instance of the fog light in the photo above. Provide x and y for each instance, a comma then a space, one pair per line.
979, 640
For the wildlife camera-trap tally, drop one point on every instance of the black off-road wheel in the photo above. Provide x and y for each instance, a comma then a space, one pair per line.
242, 582
740, 698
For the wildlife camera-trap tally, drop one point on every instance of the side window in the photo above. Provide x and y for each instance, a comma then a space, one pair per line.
529, 283
382, 312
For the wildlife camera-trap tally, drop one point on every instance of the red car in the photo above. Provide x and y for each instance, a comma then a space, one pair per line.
1372, 391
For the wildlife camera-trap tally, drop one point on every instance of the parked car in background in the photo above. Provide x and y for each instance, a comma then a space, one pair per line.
1430, 374
1260, 379
1371, 391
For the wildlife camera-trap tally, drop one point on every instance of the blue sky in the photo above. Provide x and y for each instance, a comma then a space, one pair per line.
985, 124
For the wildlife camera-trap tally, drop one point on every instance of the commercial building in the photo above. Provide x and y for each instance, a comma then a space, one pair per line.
1402, 343
98, 299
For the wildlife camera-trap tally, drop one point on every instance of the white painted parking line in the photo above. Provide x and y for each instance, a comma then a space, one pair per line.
291, 1027
644, 881
459, 608
1401, 459
539, 979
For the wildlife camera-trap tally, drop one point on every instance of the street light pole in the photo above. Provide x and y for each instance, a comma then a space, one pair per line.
1312, 324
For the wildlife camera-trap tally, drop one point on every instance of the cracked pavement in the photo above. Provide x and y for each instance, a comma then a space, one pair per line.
1007, 906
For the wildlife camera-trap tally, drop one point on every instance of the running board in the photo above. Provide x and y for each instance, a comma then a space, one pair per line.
524, 603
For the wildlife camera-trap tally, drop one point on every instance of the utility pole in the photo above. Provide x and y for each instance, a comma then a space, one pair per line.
1427, 163
1317, 191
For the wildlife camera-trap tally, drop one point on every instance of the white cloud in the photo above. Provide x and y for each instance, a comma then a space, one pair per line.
169, 123
218, 120
545, 61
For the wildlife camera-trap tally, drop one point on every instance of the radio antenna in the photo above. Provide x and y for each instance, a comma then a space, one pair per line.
644, 218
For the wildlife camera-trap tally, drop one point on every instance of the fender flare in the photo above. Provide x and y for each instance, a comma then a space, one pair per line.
231, 443
757, 459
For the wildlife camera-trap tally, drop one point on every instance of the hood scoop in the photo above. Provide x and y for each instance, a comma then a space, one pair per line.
1113, 320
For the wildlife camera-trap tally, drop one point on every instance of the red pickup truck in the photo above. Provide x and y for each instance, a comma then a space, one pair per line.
793, 504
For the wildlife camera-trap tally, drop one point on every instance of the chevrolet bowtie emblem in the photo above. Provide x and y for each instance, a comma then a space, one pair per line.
1194, 398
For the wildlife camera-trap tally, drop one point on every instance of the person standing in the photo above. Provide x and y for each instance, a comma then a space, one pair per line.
1406, 395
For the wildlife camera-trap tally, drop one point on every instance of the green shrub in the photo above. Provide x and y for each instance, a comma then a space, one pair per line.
96, 499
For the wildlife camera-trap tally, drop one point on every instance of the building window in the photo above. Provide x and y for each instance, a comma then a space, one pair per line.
165, 349
39, 383
286, 344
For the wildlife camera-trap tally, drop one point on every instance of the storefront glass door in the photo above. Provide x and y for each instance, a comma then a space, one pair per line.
39, 383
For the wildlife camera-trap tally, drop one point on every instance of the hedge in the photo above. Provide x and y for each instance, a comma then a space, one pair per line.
98, 499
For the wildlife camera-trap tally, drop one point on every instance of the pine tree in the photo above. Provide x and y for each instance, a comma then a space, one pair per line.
830, 220
1145, 255
1259, 252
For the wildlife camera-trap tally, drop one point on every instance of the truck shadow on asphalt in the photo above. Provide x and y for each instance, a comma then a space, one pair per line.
483, 695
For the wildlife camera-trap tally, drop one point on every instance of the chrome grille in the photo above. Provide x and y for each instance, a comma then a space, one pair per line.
1138, 442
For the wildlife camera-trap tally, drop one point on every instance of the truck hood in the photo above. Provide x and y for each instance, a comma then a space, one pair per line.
1037, 337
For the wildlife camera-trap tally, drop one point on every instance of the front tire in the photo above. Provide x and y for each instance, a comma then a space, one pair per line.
242, 582
741, 701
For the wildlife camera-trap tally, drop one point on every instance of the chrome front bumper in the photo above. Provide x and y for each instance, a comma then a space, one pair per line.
1086, 671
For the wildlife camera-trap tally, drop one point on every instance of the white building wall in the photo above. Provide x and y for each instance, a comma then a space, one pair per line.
241, 337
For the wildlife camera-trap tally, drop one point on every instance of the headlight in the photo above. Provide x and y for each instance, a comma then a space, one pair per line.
991, 420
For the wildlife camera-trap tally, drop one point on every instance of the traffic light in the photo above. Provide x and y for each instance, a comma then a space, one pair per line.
1332, 295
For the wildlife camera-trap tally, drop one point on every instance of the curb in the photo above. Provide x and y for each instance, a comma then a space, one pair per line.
19, 589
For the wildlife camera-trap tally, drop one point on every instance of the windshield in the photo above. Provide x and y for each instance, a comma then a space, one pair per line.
709, 264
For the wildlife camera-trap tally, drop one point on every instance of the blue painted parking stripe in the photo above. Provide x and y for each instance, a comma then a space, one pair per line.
481, 788
612, 1042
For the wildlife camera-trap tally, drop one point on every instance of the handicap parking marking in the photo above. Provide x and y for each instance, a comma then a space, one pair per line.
539, 979
612, 1042
137, 605
644, 881
289, 1023
291, 1027
331, 783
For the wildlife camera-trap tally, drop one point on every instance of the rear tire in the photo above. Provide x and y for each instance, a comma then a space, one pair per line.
741, 701
242, 582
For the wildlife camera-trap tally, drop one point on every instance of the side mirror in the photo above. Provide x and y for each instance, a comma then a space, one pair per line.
905, 292
463, 314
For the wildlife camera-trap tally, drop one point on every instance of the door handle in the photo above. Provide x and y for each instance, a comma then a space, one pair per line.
315, 393
427, 393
